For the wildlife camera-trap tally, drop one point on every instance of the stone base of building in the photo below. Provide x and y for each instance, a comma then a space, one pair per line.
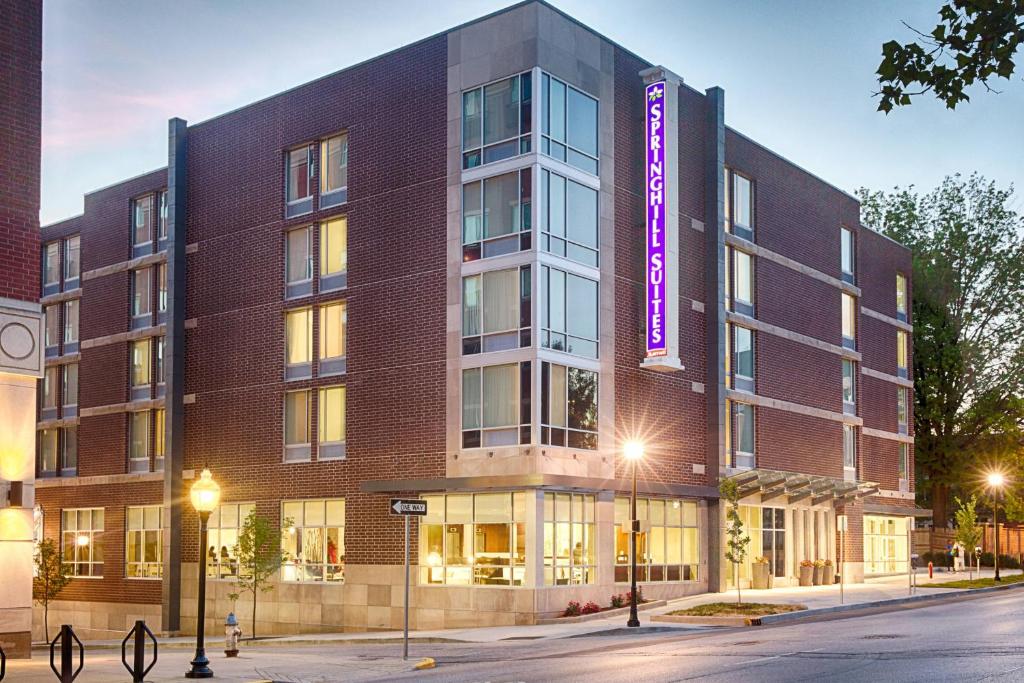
95, 620
16, 644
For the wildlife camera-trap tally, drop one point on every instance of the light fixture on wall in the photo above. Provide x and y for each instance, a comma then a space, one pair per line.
14, 496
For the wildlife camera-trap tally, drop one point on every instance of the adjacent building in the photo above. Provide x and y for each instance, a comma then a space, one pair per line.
469, 270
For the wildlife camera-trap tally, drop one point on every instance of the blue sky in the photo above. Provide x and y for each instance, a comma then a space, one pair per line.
798, 77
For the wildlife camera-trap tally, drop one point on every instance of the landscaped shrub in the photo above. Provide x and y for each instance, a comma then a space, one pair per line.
639, 595
591, 608
573, 610
1005, 561
618, 600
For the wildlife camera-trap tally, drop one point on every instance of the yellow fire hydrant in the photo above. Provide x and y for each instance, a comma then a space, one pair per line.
232, 632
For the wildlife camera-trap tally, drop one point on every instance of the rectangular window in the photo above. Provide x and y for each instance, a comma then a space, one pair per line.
296, 426
885, 545
313, 540
158, 364
333, 336
143, 542
743, 423
568, 407
849, 321
496, 121
479, 539
138, 441
300, 180
846, 254
334, 254
569, 125
142, 230
901, 409
496, 215
82, 541
298, 260
225, 524
743, 348
159, 438
739, 205
298, 343
48, 397
51, 267
72, 260
69, 451
334, 171
69, 389
331, 423
496, 405
849, 452
570, 539
904, 464
48, 452
742, 282
162, 225
141, 356
901, 353
849, 387
669, 550
142, 298
496, 310
71, 325
161, 289
569, 219
901, 297
52, 331
569, 310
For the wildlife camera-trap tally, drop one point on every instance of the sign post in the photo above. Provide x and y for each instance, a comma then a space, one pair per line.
407, 508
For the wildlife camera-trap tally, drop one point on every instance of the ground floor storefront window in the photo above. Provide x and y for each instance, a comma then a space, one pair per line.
667, 548
313, 540
474, 539
885, 544
766, 528
569, 539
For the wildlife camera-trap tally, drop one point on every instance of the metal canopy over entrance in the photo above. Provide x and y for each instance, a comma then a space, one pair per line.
791, 487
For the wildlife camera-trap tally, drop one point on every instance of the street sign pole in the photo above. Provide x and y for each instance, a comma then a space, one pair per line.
407, 508
405, 644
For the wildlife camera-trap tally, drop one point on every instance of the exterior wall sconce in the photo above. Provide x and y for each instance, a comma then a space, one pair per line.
14, 497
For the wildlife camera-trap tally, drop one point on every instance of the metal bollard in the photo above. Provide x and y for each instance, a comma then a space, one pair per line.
67, 638
138, 670
3, 664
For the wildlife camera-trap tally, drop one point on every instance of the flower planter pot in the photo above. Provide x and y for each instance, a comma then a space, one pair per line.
761, 578
818, 572
828, 576
806, 576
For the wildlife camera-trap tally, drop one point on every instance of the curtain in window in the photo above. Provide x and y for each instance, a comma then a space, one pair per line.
138, 445
501, 300
471, 306
558, 396
299, 266
501, 110
299, 336
501, 205
334, 246
332, 415
296, 423
471, 398
500, 396
332, 330
743, 265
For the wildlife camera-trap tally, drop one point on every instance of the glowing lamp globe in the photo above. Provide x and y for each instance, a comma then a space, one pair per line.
996, 479
633, 450
205, 493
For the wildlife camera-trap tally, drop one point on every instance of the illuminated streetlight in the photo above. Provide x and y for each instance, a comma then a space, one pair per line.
633, 451
205, 495
996, 480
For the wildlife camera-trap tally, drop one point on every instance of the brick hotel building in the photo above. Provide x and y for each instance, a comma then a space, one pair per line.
425, 275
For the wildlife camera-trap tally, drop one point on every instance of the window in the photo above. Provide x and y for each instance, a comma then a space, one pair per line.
742, 282
48, 399
298, 262
69, 389
885, 545
296, 426
225, 524
743, 348
849, 387
333, 335
496, 121
740, 435
158, 366
739, 205
52, 328
669, 551
474, 539
568, 219
569, 310
570, 539
496, 405
901, 409
568, 408
846, 254
901, 353
141, 376
142, 230
161, 289
159, 438
69, 451
313, 540
72, 261
143, 542
901, 297
569, 125
496, 215
904, 463
142, 298
138, 441
48, 451
496, 310
82, 541
331, 423
51, 267
300, 181
334, 254
333, 171
850, 452
298, 343
162, 226
71, 326
849, 321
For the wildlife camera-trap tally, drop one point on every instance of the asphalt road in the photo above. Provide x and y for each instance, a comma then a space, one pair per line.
975, 640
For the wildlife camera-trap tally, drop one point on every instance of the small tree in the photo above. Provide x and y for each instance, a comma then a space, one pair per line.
738, 540
259, 556
51, 577
968, 533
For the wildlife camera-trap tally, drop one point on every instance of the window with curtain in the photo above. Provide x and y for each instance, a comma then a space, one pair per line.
52, 332
334, 253
901, 297
743, 348
142, 232
850, 451
313, 540
333, 170
142, 298
496, 121
333, 333
51, 265
330, 422
901, 353
849, 386
48, 397
298, 343
298, 260
901, 409
48, 451
743, 425
69, 388
138, 441
296, 426
849, 321
496, 310
300, 174
496, 216
496, 405
846, 253
140, 362
72, 258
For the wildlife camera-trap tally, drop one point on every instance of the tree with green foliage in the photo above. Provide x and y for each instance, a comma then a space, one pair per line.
968, 343
736, 544
259, 557
51, 576
974, 41
968, 533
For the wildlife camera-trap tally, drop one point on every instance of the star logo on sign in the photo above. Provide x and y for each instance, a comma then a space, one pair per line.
656, 93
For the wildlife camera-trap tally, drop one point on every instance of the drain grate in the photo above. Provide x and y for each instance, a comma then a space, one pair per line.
882, 636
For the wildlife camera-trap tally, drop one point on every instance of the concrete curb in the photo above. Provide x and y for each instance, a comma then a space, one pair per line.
600, 615
701, 621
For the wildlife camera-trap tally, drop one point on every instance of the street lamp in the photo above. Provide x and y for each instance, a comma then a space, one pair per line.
634, 451
205, 494
995, 482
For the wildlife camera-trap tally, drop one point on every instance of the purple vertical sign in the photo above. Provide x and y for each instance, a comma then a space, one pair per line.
657, 343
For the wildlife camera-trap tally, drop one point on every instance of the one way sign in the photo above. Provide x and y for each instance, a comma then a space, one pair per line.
401, 506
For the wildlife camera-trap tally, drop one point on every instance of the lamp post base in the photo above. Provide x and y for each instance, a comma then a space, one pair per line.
200, 667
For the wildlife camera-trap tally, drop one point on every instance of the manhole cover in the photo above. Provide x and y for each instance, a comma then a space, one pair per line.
748, 642
882, 636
